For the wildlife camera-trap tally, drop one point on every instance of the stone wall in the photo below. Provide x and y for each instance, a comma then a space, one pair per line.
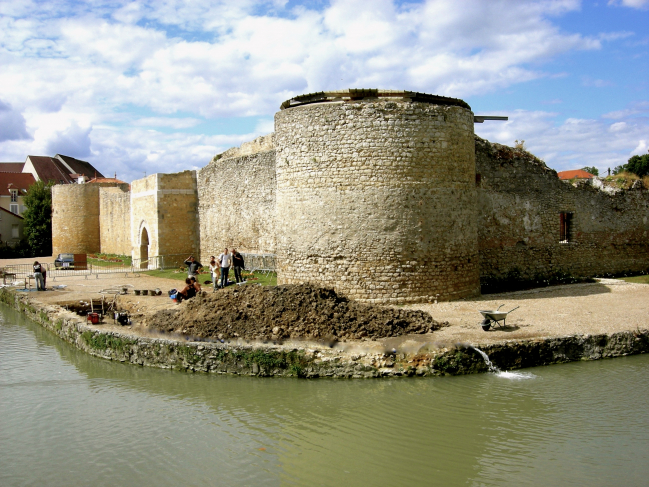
377, 199
75, 217
520, 201
237, 204
115, 221
164, 216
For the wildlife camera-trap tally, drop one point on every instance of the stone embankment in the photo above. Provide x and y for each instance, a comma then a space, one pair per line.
310, 360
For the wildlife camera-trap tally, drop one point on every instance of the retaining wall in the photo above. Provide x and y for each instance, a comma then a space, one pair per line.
312, 362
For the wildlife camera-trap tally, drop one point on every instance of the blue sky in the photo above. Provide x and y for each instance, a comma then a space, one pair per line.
140, 86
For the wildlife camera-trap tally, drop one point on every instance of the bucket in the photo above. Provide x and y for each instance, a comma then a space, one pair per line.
93, 318
137, 292
145, 292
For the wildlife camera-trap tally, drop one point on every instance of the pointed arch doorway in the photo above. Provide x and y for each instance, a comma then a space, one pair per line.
144, 249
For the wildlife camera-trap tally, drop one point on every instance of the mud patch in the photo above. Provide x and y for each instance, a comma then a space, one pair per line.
288, 311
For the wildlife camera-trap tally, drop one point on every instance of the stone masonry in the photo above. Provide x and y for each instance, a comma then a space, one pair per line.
377, 199
237, 203
386, 196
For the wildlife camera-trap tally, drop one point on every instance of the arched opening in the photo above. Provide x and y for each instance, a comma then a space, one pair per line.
144, 249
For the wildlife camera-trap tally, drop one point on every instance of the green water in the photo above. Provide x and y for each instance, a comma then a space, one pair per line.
70, 419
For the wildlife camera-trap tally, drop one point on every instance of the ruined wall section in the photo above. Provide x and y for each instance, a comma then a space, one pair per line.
520, 201
237, 204
75, 218
377, 199
115, 221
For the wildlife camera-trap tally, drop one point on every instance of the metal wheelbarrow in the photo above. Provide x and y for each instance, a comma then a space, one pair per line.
493, 318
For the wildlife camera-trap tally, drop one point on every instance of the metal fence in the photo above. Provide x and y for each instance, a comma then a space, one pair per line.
24, 273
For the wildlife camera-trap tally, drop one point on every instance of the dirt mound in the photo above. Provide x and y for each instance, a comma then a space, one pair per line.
289, 311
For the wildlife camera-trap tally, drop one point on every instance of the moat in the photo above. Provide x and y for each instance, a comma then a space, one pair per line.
72, 419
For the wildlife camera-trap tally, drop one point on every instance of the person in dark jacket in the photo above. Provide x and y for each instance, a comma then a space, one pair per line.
38, 276
238, 264
193, 266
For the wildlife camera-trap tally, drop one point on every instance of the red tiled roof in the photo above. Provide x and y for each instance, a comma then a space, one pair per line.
13, 214
11, 166
80, 167
576, 173
50, 169
18, 180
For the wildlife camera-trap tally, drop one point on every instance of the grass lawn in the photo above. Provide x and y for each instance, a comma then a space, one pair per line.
257, 277
636, 279
103, 260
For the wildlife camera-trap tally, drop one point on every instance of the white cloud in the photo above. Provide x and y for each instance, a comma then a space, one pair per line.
175, 123
12, 124
573, 144
78, 72
639, 4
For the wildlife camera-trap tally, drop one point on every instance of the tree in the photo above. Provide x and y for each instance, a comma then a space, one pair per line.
38, 218
638, 165
591, 169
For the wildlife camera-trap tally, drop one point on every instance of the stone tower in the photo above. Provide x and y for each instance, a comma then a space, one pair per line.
376, 195
75, 217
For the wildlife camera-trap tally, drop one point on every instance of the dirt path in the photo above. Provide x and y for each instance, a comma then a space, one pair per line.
606, 306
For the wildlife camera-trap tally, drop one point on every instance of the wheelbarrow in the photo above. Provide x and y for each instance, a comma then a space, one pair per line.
494, 318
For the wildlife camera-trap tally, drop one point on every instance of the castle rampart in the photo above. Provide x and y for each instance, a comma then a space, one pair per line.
376, 197
237, 203
521, 205
386, 196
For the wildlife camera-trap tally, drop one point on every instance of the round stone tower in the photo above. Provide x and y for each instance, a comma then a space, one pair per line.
376, 195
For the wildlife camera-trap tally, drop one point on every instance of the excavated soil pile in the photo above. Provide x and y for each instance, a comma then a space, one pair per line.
289, 311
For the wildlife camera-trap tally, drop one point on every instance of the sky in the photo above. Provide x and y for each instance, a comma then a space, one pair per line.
138, 87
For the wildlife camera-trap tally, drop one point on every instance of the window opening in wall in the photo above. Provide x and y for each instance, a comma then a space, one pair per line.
14, 195
565, 228
14, 231
13, 209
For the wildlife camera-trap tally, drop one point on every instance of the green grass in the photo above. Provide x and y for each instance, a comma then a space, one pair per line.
262, 278
103, 260
636, 279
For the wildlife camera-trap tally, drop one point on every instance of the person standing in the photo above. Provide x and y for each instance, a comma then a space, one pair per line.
193, 266
225, 261
215, 269
238, 264
38, 275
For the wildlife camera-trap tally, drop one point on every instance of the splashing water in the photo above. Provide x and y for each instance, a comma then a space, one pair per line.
503, 374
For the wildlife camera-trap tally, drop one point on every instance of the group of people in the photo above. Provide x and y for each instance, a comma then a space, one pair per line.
40, 275
219, 268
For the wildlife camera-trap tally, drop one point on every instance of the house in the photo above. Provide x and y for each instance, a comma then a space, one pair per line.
13, 187
11, 227
575, 174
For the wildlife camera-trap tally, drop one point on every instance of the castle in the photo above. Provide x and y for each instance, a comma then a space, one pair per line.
386, 196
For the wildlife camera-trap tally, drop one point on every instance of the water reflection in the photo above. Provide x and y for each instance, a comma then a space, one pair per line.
71, 418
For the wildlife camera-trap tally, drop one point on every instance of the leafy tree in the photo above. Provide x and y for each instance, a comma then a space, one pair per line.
591, 169
638, 165
38, 218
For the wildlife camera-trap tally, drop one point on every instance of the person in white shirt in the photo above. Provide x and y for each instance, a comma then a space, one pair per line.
225, 261
215, 269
